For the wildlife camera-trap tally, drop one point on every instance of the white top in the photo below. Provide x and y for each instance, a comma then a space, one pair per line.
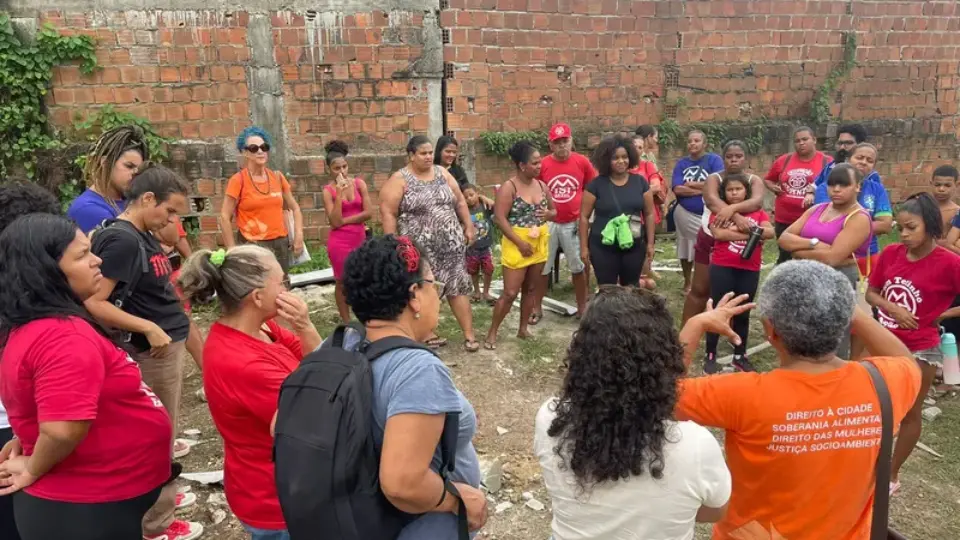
639, 508
4, 421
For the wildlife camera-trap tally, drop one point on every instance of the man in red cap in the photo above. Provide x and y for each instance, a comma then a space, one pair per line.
566, 173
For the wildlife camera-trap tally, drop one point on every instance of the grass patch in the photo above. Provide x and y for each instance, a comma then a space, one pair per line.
319, 259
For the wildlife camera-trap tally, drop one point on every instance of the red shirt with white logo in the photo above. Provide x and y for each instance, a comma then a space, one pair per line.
727, 254
566, 180
925, 288
62, 370
242, 377
793, 174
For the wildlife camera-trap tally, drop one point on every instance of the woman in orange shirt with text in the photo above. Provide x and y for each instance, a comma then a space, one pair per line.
802, 441
256, 198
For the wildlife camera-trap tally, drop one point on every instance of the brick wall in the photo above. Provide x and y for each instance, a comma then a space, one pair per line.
371, 73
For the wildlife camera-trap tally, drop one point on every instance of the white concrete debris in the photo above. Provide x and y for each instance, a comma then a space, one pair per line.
206, 478
491, 472
503, 507
535, 505
526, 495
192, 432
502, 430
218, 516
931, 413
217, 499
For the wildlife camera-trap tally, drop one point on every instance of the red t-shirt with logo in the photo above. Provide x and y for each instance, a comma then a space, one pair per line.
242, 377
648, 170
62, 370
566, 180
925, 288
793, 174
727, 254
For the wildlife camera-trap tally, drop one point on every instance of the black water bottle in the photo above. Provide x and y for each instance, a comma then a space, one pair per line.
756, 234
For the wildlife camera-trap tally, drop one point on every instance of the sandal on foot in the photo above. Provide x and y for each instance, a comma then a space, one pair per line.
471, 345
535, 318
436, 342
489, 346
894, 487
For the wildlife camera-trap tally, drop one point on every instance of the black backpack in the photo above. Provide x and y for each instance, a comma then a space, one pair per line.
327, 461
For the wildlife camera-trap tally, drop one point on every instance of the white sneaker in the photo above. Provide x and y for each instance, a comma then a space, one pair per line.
179, 530
186, 500
180, 448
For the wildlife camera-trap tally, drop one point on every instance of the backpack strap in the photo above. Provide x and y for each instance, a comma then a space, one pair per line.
881, 496
127, 289
451, 424
341, 332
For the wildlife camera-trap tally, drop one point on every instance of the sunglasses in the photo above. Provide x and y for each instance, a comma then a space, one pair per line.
440, 286
253, 148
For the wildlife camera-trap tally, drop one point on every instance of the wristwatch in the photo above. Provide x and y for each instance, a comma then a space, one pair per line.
814, 242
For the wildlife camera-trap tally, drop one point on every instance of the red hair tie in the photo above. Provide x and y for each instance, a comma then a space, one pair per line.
408, 253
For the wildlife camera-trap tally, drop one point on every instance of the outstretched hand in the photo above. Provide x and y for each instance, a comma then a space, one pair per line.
716, 319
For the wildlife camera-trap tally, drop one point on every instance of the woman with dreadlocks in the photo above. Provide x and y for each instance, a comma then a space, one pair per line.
110, 167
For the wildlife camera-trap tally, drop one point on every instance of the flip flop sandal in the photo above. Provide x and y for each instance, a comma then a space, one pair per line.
894, 487
436, 342
471, 345
489, 346
535, 318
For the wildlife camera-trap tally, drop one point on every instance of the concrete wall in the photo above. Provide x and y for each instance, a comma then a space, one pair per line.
373, 73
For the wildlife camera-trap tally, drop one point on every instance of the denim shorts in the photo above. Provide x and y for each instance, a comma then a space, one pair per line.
932, 356
265, 534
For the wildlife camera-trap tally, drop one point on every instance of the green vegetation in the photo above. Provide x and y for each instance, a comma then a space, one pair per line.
498, 143
823, 97
26, 69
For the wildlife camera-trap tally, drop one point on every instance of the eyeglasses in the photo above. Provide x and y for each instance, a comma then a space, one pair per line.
441, 286
846, 143
253, 148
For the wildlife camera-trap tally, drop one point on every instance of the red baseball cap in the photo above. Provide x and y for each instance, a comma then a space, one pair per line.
559, 131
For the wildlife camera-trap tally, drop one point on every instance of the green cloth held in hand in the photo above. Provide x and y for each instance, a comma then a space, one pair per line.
617, 230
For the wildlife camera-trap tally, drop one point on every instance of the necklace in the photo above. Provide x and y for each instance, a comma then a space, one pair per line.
256, 187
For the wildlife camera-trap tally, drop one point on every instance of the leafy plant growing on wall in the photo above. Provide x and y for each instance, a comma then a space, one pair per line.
823, 97
89, 129
498, 143
25, 72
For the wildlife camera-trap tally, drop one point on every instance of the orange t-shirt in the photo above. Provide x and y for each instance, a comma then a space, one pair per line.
802, 448
259, 205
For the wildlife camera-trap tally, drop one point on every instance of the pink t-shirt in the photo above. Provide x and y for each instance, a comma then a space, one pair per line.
727, 254
242, 377
926, 288
55, 370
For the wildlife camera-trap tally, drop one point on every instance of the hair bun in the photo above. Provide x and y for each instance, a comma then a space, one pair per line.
337, 146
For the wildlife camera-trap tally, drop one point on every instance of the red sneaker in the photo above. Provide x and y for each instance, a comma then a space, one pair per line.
186, 500
179, 530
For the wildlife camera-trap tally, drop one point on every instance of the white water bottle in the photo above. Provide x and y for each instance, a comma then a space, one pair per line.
951, 364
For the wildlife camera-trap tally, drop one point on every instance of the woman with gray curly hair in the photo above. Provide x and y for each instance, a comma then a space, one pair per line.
802, 440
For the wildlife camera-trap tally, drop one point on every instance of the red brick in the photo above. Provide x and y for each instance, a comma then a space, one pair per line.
193, 111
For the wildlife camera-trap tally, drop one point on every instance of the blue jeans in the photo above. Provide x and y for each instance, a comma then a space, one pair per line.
264, 534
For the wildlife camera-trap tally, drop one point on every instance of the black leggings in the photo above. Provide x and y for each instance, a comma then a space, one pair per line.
613, 265
723, 280
41, 519
778, 229
8, 527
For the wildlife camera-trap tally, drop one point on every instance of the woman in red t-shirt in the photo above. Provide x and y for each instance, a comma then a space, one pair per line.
730, 271
245, 360
93, 447
913, 286
789, 177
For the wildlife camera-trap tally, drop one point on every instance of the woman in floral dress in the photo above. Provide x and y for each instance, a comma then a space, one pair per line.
424, 202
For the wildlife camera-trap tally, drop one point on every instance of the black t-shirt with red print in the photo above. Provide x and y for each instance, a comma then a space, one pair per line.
153, 297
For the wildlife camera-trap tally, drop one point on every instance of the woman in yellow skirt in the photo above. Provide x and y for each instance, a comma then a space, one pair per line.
521, 211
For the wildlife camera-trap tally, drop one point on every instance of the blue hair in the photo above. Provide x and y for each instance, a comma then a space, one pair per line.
252, 131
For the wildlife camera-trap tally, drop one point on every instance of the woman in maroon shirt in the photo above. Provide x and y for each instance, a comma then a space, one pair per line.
93, 440
912, 288
246, 358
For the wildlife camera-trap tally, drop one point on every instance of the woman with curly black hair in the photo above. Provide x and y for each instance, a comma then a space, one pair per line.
621, 236
614, 461
391, 288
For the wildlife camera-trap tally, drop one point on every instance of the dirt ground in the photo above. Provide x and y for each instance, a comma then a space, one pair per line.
508, 385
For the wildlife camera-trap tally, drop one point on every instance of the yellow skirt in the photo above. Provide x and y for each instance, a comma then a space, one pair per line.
510, 256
